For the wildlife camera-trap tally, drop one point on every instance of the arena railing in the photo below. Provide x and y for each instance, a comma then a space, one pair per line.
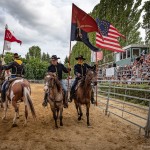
123, 105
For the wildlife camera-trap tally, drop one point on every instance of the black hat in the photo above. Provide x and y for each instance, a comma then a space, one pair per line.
16, 55
54, 57
80, 57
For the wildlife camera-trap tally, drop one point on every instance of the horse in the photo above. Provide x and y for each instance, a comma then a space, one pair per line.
55, 96
19, 90
83, 93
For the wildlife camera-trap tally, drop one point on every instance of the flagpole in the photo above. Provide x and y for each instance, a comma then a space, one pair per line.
2, 58
69, 58
6, 27
96, 75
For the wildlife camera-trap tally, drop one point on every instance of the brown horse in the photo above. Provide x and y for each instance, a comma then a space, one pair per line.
83, 93
19, 89
55, 96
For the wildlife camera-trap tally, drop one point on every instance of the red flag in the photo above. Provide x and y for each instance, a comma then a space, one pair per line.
83, 20
9, 37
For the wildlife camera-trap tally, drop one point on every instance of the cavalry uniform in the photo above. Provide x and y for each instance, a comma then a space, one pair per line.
80, 70
17, 70
58, 69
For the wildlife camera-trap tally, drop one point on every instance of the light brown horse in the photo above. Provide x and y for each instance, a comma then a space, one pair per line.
19, 89
83, 93
55, 96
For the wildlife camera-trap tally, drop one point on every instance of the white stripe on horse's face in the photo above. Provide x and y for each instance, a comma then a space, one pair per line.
17, 81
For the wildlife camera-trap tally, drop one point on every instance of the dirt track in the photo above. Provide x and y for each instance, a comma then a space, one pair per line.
106, 133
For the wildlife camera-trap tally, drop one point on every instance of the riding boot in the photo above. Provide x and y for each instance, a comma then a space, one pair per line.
72, 95
45, 100
92, 97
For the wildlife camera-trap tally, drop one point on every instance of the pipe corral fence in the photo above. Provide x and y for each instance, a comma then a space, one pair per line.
108, 100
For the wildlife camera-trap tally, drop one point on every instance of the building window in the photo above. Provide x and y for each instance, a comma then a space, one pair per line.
124, 55
128, 53
135, 52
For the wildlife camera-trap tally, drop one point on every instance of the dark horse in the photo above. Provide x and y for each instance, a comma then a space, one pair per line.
19, 89
55, 96
83, 93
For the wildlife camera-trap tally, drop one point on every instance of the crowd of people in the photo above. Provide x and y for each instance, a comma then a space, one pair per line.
138, 71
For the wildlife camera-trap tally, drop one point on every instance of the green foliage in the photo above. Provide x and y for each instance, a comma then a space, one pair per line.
36, 69
8, 57
146, 20
34, 52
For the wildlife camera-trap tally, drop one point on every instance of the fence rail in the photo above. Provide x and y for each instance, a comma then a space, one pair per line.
122, 105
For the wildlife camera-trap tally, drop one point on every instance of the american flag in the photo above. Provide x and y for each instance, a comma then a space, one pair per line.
110, 35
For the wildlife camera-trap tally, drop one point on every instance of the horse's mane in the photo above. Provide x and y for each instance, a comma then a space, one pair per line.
82, 82
58, 85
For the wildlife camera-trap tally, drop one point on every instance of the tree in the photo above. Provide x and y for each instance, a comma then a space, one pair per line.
146, 21
35, 52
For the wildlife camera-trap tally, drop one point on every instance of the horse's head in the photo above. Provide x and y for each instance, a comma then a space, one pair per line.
91, 76
49, 80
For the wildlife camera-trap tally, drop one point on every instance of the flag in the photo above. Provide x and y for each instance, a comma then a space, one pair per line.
81, 24
8, 39
110, 35
99, 56
84, 21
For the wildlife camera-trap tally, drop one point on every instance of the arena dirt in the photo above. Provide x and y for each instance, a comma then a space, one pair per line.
105, 133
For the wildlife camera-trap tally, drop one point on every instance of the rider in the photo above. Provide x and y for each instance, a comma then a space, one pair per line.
80, 71
17, 70
57, 68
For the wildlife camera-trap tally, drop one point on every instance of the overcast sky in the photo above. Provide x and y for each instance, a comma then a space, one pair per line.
44, 23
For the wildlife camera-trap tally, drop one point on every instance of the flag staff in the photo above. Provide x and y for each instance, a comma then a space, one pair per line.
6, 27
69, 57
96, 75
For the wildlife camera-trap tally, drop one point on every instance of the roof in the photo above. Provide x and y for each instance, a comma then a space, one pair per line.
135, 45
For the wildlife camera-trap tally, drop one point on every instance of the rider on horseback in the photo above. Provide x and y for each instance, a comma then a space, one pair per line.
57, 68
17, 70
80, 71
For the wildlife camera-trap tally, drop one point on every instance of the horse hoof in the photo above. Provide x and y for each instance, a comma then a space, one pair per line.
89, 126
14, 125
79, 118
61, 124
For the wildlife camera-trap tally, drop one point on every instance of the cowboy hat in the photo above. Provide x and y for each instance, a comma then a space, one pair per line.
80, 57
54, 57
16, 55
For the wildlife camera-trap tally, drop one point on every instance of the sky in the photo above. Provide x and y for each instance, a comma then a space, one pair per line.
43, 23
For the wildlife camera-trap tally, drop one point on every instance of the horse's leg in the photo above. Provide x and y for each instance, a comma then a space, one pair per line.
77, 108
5, 109
87, 113
26, 115
16, 112
57, 112
61, 116
55, 117
80, 114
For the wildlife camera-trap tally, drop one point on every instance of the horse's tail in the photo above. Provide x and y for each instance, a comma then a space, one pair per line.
28, 101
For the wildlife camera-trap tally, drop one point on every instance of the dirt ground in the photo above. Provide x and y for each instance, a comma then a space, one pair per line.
105, 133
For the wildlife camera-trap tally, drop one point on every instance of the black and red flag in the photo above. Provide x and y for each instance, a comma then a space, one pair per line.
81, 24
